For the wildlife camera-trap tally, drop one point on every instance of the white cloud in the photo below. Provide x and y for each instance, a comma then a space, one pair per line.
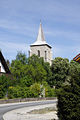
58, 10
18, 28
70, 35
66, 51
10, 49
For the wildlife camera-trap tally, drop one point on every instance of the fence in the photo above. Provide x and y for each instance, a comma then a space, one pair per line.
25, 100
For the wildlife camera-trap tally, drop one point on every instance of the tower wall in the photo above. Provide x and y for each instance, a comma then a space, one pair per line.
42, 51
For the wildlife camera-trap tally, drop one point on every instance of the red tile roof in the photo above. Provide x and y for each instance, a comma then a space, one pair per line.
77, 58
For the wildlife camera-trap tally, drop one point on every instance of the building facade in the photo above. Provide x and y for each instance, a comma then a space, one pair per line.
3, 66
41, 48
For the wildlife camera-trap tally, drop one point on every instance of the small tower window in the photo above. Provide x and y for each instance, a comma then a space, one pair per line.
38, 53
29, 53
45, 55
0, 68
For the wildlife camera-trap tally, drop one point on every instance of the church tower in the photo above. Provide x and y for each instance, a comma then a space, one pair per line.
41, 48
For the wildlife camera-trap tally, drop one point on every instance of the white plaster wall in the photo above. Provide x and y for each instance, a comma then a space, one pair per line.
42, 49
2, 68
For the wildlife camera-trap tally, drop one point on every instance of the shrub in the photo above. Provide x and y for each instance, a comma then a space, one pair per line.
18, 92
50, 92
35, 90
69, 102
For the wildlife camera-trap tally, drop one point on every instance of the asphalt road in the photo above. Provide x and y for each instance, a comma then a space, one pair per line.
6, 108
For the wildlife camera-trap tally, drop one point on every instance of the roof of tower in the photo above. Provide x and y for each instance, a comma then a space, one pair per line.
40, 38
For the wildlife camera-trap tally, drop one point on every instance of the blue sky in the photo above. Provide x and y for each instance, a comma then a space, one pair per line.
20, 19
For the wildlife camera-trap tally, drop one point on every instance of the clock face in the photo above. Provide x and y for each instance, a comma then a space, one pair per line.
77, 58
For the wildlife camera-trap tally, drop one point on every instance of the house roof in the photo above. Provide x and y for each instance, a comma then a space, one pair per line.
40, 38
77, 58
4, 63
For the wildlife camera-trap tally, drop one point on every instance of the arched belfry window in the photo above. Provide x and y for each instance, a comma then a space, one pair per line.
29, 53
0, 68
45, 55
38, 53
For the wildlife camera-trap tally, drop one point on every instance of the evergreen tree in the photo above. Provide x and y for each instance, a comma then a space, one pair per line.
69, 96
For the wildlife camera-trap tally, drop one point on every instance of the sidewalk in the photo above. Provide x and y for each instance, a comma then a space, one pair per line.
23, 113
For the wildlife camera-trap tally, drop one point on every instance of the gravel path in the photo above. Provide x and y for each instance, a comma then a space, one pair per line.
23, 113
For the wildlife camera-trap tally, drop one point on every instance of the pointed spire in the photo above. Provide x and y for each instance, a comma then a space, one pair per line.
40, 36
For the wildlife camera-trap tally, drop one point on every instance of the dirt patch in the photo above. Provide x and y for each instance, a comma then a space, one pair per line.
43, 111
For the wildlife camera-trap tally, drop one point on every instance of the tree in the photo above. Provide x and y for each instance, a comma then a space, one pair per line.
69, 103
34, 60
69, 96
60, 69
26, 81
5, 82
37, 64
29, 74
17, 69
8, 63
37, 73
18, 66
75, 71
21, 57
33, 69
47, 68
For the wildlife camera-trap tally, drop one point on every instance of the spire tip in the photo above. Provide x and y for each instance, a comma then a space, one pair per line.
40, 21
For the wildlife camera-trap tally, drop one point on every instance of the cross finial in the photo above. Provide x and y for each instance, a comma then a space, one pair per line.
40, 21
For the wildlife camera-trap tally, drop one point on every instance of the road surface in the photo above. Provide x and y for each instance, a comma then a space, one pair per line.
9, 107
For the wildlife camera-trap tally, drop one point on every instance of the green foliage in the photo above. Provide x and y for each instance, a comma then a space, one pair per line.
27, 75
14, 92
69, 96
38, 71
75, 72
5, 82
69, 103
21, 57
33, 69
26, 81
18, 92
50, 92
47, 68
16, 69
34, 60
35, 90
2, 91
60, 69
